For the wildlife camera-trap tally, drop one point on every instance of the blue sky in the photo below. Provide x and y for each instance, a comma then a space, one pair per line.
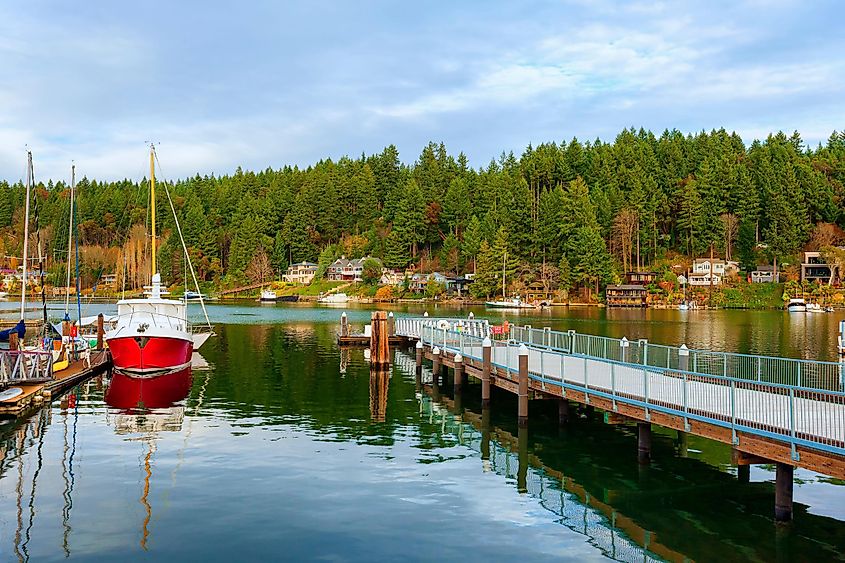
261, 84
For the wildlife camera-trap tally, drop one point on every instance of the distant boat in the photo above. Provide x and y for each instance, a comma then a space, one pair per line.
683, 306
194, 296
334, 298
814, 308
268, 296
796, 306
4, 294
514, 303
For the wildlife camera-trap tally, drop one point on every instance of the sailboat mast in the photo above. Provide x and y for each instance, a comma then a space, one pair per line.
153, 203
69, 240
76, 264
26, 230
504, 262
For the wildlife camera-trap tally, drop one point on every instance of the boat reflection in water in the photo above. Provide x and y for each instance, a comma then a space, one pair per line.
143, 407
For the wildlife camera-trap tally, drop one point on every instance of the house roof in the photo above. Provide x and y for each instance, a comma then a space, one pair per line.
766, 269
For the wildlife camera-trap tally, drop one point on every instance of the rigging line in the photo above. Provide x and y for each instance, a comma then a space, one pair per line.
69, 239
184, 247
40, 254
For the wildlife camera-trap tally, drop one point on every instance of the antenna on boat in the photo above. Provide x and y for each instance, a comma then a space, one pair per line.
153, 204
26, 230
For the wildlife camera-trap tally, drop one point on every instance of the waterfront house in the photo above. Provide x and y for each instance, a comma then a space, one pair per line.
343, 269
763, 274
457, 285
391, 276
301, 273
626, 295
418, 282
536, 292
705, 270
814, 268
109, 280
640, 278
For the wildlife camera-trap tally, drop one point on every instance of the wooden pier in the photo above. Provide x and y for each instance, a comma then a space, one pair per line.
790, 413
347, 338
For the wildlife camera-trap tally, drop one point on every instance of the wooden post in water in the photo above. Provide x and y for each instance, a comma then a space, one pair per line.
644, 442
485, 433
486, 366
522, 457
391, 324
100, 331
459, 373
379, 340
419, 348
562, 411
783, 492
523, 385
344, 325
435, 365
13, 341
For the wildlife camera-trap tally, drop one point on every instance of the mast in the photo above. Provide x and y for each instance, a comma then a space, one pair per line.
504, 261
75, 224
26, 230
153, 203
69, 241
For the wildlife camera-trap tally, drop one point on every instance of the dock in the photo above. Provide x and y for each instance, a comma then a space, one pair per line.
782, 411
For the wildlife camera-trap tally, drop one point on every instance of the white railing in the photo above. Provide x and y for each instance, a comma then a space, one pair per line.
797, 415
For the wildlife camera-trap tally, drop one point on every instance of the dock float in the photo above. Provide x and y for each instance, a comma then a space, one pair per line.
783, 411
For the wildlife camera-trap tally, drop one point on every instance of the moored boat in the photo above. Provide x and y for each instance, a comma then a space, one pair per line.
333, 298
152, 335
514, 303
796, 305
268, 296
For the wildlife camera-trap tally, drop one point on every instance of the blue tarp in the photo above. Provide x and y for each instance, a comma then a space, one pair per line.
20, 328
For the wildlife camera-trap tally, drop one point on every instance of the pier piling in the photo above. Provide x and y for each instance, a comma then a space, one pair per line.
13, 341
379, 340
486, 365
391, 324
523, 385
459, 373
435, 363
344, 325
643, 442
783, 492
562, 411
100, 331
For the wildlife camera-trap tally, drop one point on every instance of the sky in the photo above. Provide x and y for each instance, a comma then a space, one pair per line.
262, 84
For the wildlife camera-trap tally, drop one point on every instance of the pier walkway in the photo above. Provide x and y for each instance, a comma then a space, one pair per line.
771, 410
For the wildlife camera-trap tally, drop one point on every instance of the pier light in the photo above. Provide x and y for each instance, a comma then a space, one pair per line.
486, 342
523, 350
458, 358
683, 350
390, 314
425, 314
419, 345
624, 342
436, 351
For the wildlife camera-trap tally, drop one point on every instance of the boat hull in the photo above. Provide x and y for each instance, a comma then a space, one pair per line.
139, 354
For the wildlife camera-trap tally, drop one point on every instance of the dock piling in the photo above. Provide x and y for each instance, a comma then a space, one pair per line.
486, 365
100, 331
13, 341
562, 411
391, 324
523, 385
344, 325
379, 340
459, 373
435, 363
643, 442
783, 492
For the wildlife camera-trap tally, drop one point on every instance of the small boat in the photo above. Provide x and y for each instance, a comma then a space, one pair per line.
194, 296
814, 308
797, 305
828, 309
333, 298
683, 306
514, 303
4, 294
268, 296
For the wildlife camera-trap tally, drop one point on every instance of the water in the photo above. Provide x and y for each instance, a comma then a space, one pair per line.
285, 448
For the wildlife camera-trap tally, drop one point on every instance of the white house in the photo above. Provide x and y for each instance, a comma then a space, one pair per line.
302, 273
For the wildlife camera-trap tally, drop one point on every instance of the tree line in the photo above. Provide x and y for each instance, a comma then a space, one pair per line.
573, 213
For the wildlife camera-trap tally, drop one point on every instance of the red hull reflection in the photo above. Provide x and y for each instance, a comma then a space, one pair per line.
130, 393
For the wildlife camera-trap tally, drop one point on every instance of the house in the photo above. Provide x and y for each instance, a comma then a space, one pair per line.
392, 277
343, 269
814, 268
704, 279
763, 274
301, 273
640, 278
626, 295
704, 270
536, 292
457, 285
109, 280
418, 282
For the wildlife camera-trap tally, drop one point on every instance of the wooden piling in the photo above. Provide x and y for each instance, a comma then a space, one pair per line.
562, 411
743, 473
100, 331
379, 340
391, 324
783, 492
486, 367
13, 341
435, 362
523, 385
419, 348
522, 457
643, 442
344, 325
485, 433
459, 373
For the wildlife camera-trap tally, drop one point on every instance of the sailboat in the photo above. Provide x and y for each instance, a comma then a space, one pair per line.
152, 335
513, 303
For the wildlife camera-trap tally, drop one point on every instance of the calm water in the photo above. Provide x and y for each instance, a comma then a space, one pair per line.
285, 447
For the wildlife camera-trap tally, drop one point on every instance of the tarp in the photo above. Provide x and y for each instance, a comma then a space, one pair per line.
20, 328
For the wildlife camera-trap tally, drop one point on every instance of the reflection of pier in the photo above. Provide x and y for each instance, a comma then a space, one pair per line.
771, 410
631, 512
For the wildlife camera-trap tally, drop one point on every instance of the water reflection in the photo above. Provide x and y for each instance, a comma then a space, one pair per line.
146, 406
